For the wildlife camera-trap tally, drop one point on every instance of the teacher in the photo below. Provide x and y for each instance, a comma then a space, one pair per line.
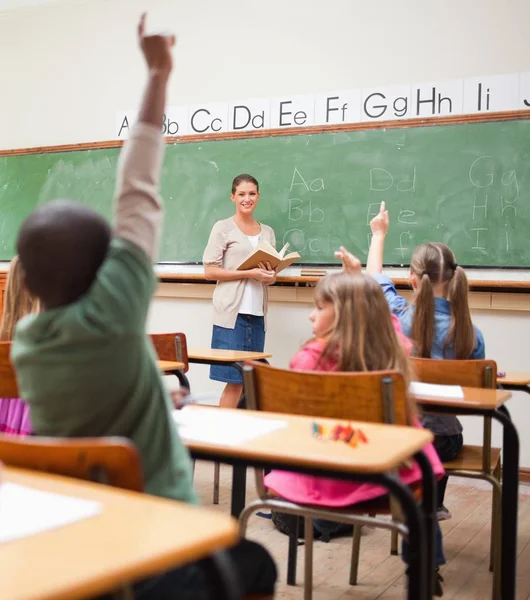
240, 297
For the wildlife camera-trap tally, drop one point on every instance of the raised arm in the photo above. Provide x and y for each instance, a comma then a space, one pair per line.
379, 226
138, 205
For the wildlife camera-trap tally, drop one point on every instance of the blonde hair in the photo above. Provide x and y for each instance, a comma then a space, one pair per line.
362, 336
18, 302
434, 263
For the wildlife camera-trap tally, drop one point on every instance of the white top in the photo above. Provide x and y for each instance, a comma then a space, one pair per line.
252, 301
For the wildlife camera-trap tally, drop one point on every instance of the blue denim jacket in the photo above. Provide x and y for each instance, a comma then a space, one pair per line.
438, 424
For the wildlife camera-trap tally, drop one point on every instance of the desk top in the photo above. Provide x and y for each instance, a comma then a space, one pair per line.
168, 366
134, 536
388, 445
514, 378
225, 355
479, 398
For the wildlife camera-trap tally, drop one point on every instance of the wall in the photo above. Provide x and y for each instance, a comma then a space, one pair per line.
67, 68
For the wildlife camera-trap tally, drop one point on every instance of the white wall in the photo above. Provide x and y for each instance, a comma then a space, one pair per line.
67, 68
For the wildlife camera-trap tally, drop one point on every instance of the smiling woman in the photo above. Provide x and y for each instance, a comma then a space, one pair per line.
240, 297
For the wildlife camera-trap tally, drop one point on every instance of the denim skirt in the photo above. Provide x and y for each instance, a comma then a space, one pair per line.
248, 335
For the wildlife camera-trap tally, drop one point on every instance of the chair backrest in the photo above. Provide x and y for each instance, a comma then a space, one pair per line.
376, 396
114, 460
467, 373
171, 346
8, 380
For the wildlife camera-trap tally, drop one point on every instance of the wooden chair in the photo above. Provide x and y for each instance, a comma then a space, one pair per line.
477, 462
113, 460
173, 346
378, 397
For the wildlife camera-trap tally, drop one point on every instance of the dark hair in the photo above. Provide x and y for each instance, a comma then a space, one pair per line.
61, 246
244, 177
434, 263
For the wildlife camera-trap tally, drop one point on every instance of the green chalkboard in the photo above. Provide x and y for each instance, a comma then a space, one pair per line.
467, 185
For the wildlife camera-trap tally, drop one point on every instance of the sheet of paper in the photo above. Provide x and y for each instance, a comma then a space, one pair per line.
220, 427
25, 511
431, 390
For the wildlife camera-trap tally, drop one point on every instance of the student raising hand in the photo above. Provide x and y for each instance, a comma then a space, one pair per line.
350, 263
156, 49
379, 224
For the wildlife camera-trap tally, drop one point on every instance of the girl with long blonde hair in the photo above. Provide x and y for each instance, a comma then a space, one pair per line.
18, 302
353, 332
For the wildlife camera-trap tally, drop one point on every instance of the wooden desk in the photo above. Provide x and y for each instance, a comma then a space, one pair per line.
474, 399
294, 448
517, 381
490, 403
214, 356
230, 358
169, 367
135, 536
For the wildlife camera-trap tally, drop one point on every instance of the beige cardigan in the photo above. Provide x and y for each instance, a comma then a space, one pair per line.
228, 247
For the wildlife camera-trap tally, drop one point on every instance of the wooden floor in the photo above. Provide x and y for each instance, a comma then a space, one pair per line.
466, 546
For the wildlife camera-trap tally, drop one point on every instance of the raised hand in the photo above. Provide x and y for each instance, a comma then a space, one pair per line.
380, 223
350, 263
156, 50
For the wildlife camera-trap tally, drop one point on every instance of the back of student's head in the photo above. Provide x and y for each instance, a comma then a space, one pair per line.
61, 246
18, 302
433, 264
362, 336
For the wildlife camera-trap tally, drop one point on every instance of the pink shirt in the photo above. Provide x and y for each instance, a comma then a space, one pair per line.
306, 489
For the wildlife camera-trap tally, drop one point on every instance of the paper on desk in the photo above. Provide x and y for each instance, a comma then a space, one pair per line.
25, 511
220, 427
431, 390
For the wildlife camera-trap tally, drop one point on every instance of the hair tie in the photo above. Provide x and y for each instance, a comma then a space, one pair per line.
456, 266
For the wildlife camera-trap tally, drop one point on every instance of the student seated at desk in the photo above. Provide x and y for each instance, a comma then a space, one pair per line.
438, 323
353, 331
85, 365
18, 302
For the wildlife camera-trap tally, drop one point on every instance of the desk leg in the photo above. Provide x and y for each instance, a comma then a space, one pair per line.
504, 411
239, 474
239, 490
429, 512
417, 543
183, 380
510, 485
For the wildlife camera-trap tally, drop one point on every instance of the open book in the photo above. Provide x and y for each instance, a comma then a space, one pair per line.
265, 253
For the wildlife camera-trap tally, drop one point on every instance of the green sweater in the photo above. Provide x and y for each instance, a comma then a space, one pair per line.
88, 369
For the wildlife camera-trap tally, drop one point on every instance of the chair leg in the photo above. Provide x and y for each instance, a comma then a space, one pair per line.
394, 543
192, 468
293, 549
308, 562
495, 554
216, 471
355, 551
495, 521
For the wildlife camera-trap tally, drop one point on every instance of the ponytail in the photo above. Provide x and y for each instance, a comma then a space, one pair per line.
423, 321
461, 332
